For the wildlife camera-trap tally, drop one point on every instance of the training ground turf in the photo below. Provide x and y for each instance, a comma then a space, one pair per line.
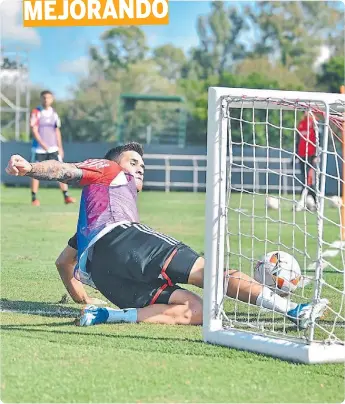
45, 358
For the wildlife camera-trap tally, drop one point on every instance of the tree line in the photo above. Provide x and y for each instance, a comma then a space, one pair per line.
263, 45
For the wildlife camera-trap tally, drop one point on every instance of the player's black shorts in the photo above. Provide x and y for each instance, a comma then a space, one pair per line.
39, 157
135, 266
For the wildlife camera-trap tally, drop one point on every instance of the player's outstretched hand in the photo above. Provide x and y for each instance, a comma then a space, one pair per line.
18, 166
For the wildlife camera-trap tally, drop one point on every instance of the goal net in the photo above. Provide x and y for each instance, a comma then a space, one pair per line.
257, 201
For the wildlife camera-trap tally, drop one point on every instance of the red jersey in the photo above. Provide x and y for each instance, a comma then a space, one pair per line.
307, 138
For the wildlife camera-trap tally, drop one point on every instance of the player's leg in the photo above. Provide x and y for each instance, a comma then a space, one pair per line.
64, 187
121, 272
34, 189
311, 178
242, 287
303, 198
155, 303
151, 255
188, 267
182, 308
246, 289
67, 198
35, 158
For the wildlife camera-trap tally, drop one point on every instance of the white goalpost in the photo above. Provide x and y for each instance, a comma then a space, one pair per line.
251, 155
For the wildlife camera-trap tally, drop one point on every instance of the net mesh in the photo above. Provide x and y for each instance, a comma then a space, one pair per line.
266, 209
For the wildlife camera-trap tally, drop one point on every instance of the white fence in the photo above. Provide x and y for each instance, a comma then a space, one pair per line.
258, 166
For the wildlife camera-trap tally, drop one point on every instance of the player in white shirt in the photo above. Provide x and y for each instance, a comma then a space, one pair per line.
47, 142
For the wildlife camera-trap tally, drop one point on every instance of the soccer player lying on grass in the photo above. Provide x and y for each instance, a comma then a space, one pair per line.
132, 265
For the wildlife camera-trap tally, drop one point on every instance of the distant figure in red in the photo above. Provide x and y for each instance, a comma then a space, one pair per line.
306, 152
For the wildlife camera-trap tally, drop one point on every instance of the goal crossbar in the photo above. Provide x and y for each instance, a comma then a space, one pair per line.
263, 98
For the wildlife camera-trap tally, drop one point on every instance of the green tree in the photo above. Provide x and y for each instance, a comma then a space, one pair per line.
243, 132
121, 46
170, 60
332, 75
220, 41
92, 114
293, 32
264, 67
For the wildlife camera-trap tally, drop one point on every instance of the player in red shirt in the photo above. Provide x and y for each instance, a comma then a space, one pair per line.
134, 266
306, 152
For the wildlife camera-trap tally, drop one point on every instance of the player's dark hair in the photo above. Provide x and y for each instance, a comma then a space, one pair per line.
45, 92
115, 153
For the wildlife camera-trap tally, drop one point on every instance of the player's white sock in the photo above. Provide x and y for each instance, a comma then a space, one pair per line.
125, 315
270, 300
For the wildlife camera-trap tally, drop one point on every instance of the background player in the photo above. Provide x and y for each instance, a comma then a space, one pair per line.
134, 266
306, 152
47, 142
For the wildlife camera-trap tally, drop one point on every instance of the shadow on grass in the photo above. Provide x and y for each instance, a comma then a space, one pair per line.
43, 309
122, 338
141, 344
48, 309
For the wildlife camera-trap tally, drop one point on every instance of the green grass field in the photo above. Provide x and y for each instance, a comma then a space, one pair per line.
45, 358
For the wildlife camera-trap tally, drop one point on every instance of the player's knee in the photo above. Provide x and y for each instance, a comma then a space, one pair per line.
186, 316
193, 310
190, 314
187, 307
196, 318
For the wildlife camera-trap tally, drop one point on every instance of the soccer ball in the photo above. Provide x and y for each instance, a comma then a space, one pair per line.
272, 203
336, 202
278, 270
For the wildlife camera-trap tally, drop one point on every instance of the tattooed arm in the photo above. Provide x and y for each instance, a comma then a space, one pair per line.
92, 171
50, 170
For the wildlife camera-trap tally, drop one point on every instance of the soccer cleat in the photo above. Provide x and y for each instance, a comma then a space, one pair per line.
69, 200
307, 313
92, 315
36, 202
